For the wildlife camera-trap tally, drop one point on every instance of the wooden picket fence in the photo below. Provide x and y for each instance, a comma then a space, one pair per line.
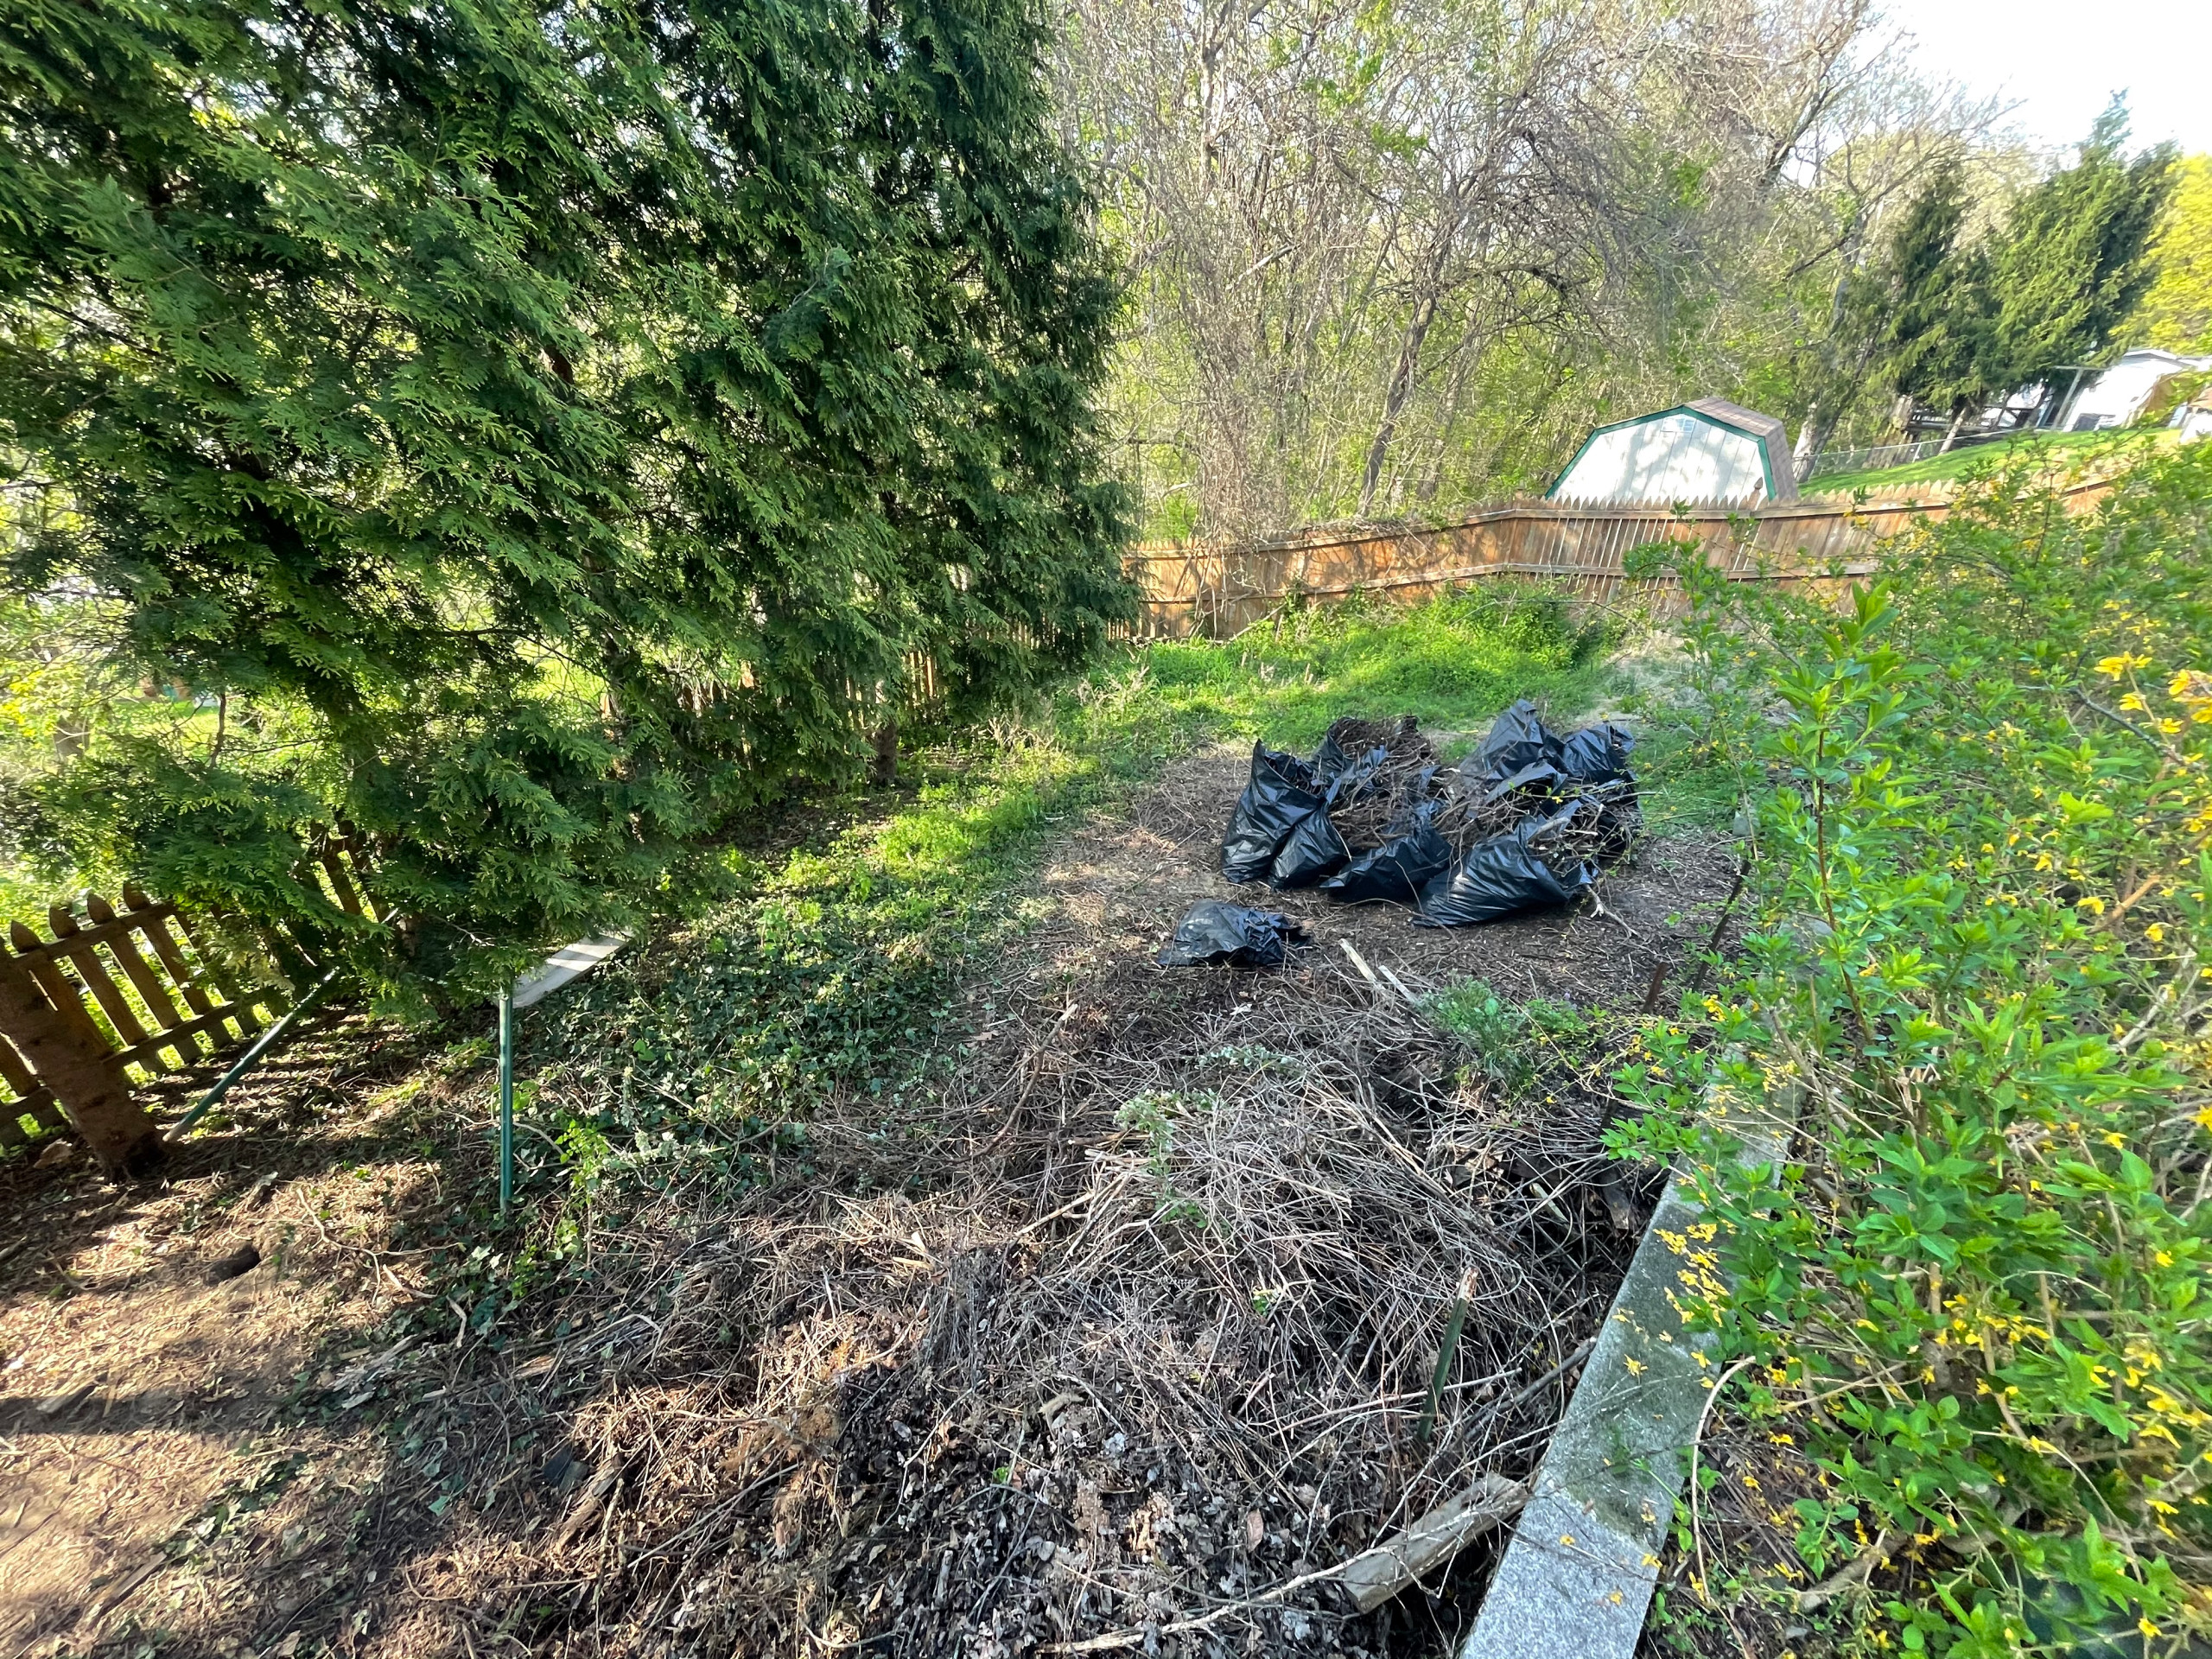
127, 993
1219, 589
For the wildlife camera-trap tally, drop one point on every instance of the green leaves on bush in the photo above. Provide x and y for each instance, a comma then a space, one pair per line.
534, 435
1977, 1293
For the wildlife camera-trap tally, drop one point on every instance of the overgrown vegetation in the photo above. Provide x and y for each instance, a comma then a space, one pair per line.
1974, 1293
835, 966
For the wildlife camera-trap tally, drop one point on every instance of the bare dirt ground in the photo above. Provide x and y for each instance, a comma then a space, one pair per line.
1095, 1351
1128, 879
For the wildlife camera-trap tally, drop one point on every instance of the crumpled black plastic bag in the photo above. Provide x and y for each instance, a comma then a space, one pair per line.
1503, 875
1516, 739
1537, 775
1351, 779
1330, 760
1598, 754
1397, 870
1313, 850
1213, 932
1281, 795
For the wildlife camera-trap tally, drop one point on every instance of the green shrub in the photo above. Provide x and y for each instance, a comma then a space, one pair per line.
1975, 1295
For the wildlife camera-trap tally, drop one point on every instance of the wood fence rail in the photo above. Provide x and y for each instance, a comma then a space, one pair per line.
119, 995
1219, 589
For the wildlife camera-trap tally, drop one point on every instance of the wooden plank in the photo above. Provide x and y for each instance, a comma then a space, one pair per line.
68, 1052
85, 957
287, 957
341, 883
60, 991
99, 933
150, 920
148, 984
142, 1053
15, 1071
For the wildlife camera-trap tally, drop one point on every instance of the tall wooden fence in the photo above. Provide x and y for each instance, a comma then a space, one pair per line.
1219, 590
113, 997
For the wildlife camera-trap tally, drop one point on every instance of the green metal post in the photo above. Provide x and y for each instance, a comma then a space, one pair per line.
254, 1056
506, 1099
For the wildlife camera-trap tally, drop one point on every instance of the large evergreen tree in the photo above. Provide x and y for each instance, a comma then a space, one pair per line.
1934, 294
2074, 259
535, 433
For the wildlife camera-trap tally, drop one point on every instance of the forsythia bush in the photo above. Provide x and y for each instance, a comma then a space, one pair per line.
1975, 1291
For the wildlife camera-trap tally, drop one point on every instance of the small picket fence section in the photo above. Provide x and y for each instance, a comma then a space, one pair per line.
131, 992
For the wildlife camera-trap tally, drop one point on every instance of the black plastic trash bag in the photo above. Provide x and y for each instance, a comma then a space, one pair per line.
1213, 932
1281, 794
1353, 778
1397, 870
1598, 754
1313, 850
1501, 876
1516, 739
1331, 760
1539, 775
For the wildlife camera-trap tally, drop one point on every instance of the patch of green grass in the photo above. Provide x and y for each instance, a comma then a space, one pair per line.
1683, 785
840, 964
2056, 448
1454, 663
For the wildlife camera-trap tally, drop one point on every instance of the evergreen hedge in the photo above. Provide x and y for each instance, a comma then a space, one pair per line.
533, 435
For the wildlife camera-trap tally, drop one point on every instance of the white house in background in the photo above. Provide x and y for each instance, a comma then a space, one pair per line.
1707, 453
2115, 396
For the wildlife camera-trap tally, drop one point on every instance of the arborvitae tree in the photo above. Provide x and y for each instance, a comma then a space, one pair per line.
2072, 261
534, 434
1935, 298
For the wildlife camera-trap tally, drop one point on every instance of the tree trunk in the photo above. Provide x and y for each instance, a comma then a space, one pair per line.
1394, 395
1958, 420
65, 1050
884, 769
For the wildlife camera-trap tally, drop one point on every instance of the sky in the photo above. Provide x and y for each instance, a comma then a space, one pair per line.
2059, 61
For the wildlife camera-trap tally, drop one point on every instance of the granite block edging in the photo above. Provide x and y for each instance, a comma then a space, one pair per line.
1578, 1575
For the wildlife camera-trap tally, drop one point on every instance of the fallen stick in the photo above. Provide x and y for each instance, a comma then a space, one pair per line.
1376, 1576
1365, 972
1373, 1576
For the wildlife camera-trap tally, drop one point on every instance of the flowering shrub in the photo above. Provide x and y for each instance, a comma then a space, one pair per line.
1976, 1291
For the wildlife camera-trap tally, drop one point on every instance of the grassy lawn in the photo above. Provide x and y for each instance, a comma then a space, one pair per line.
2053, 449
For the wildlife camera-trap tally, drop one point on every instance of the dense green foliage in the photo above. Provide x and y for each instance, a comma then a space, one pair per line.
1974, 1293
1955, 321
2073, 261
532, 434
2176, 312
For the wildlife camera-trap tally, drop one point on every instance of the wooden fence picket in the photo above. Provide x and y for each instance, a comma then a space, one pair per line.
121, 994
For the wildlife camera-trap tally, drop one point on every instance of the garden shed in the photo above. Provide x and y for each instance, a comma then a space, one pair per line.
1710, 452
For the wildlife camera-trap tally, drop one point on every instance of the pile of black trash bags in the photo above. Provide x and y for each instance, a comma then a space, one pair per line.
1521, 822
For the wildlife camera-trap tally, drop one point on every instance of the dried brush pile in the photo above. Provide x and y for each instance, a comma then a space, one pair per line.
1602, 825
1393, 765
1151, 1344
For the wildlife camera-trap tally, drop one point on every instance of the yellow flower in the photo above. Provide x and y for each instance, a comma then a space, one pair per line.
2155, 932
2134, 701
2113, 667
2146, 1627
